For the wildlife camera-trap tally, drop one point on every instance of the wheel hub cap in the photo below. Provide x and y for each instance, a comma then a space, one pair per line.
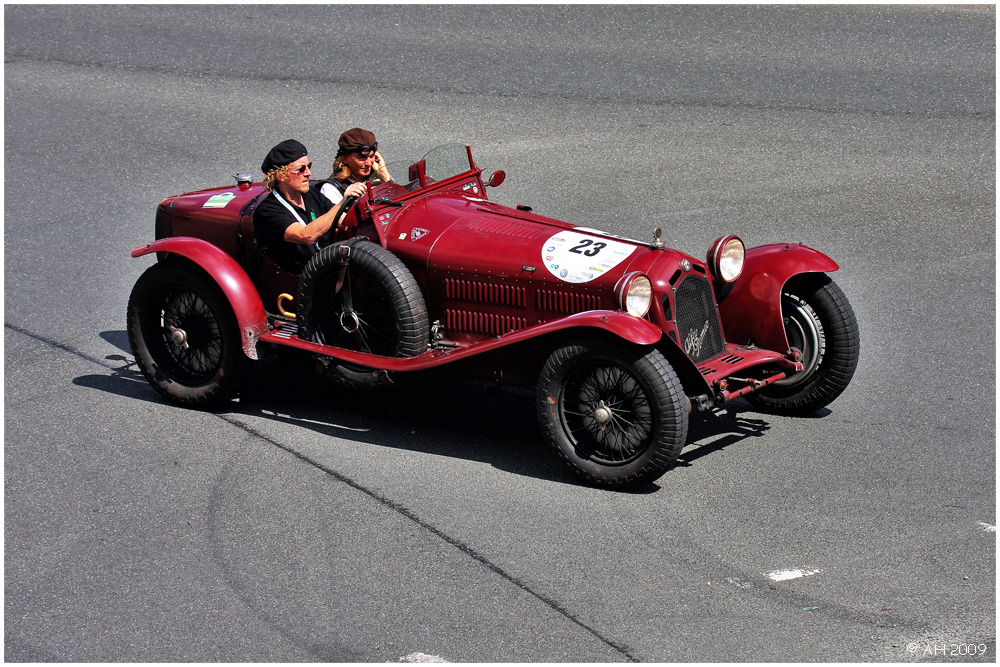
602, 414
179, 337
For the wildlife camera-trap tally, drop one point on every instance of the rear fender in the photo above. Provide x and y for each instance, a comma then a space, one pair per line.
751, 310
231, 278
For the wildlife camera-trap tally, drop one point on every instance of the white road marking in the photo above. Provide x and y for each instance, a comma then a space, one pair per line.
739, 583
421, 657
987, 527
795, 573
271, 413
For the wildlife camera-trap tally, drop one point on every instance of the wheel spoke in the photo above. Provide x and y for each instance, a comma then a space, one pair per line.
612, 393
377, 336
198, 350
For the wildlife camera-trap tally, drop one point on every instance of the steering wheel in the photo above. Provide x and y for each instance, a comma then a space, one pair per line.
345, 204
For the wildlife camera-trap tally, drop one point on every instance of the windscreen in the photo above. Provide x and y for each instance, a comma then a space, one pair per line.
447, 161
440, 163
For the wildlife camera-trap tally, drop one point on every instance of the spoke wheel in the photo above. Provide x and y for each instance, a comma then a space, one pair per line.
615, 413
184, 334
190, 334
608, 413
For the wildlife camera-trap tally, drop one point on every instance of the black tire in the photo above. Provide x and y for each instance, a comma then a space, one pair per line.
615, 413
391, 313
820, 322
184, 335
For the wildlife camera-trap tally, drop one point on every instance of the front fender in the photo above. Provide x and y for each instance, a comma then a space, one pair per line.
633, 329
231, 278
751, 310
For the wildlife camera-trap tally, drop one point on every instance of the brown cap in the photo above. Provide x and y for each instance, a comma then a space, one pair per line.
355, 139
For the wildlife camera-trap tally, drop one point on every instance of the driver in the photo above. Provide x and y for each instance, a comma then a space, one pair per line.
357, 161
293, 217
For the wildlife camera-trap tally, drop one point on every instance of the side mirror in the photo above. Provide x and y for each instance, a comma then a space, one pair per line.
497, 178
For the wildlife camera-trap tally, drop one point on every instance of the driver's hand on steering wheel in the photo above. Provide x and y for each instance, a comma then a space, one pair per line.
355, 190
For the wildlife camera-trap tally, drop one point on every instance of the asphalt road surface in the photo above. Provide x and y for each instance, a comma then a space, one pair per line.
306, 524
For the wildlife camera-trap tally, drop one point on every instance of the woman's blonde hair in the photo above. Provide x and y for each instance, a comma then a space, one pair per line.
340, 170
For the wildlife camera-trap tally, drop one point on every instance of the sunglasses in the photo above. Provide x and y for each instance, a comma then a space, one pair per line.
366, 151
301, 168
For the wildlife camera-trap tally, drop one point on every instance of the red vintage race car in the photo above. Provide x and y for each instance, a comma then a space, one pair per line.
621, 339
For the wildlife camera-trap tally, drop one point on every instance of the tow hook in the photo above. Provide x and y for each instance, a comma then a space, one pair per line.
702, 402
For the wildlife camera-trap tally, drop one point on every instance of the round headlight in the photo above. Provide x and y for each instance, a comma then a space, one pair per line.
636, 295
725, 258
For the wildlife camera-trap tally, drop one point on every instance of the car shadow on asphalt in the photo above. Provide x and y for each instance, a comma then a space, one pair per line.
124, 379
712, 432
424, 412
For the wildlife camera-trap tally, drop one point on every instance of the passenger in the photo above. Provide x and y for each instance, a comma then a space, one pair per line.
358, 161
293, 217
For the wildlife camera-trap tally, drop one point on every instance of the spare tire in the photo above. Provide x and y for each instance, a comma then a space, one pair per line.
378, 309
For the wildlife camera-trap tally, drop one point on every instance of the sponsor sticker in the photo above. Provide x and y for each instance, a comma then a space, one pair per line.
579, 258
220, 200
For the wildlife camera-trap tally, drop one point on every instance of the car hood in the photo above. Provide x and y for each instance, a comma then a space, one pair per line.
450, 233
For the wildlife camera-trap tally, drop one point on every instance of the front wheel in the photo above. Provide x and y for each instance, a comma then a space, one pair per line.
184, 335
615, 413
819, 322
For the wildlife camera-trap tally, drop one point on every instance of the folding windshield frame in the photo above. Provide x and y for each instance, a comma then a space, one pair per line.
420, 182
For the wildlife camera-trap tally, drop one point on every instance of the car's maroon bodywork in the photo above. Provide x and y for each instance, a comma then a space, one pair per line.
621, 339
482, 269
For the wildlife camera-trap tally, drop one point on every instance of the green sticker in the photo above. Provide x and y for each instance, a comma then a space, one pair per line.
219, 201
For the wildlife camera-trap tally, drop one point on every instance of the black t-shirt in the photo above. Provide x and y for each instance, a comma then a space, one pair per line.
271, 219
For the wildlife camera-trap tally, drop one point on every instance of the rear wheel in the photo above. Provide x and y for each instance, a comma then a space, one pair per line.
184, 335
820, 322
615, 413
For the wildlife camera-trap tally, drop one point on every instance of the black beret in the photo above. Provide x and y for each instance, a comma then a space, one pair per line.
287, 152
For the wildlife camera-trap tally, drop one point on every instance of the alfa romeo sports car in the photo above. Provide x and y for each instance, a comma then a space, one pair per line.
621, 339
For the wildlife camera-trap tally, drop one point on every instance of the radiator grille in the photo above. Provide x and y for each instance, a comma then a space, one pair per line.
697, 320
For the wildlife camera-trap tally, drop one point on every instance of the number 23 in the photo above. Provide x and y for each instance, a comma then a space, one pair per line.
588, 247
